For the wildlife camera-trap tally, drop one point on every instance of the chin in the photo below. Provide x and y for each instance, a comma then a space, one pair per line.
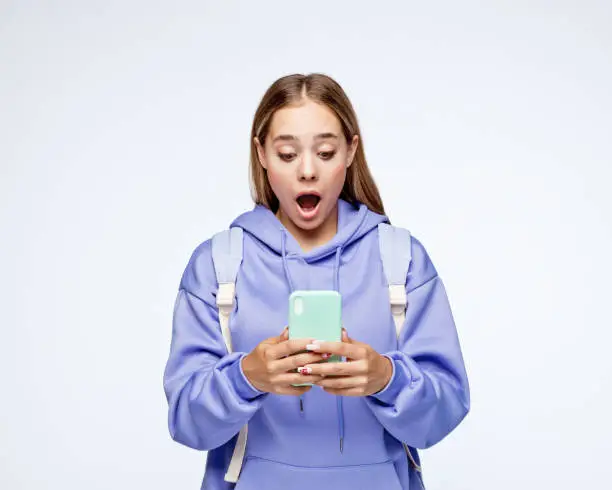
307, 224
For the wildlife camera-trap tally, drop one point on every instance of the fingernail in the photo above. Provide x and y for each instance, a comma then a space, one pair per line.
326, 355
313, 346
304, 370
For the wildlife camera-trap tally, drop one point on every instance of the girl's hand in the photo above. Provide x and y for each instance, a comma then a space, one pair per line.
268, 366
365, 372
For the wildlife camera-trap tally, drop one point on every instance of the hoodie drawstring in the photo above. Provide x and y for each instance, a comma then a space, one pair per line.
284, 257
339, 406
340, 409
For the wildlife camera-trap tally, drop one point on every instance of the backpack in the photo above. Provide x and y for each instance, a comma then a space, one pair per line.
395, 252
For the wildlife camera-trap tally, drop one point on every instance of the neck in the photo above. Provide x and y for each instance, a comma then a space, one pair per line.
309, 239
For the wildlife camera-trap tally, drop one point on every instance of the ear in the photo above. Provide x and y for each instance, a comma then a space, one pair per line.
260, 153
352, 150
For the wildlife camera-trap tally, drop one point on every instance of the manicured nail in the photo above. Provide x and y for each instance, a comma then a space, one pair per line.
304, 370
313, 346
327, 355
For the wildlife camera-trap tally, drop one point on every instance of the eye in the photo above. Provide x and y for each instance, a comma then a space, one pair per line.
286, 157
327, 155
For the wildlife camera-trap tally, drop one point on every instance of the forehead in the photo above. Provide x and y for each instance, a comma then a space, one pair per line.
304, 121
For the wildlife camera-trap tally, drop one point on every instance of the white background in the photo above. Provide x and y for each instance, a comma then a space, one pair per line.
124, 137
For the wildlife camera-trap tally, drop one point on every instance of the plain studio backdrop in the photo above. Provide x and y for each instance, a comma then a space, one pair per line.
124, 138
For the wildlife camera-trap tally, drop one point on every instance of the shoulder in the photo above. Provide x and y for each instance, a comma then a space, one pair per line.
199, 273
421, 268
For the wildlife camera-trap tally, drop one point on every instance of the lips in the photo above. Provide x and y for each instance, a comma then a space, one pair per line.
308, 200
308, 205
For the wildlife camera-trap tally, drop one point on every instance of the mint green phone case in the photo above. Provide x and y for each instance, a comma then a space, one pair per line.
317, 315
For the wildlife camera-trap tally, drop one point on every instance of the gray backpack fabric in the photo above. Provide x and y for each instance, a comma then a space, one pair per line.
395, 252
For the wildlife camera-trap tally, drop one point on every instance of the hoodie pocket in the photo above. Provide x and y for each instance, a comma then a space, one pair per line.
264, 474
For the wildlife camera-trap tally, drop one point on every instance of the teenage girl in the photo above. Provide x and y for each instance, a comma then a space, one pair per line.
314, 226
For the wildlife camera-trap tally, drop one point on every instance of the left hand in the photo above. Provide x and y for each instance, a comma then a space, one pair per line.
365, 371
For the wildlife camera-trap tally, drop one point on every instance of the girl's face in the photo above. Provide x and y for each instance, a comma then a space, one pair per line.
306, 157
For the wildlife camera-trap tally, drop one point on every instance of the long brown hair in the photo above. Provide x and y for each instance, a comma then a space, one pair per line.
359, 186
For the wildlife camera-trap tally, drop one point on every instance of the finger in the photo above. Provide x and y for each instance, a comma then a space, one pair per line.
351, 340
288, 347
340, 348
348, 368
294, 361
342, 382
276, 339
287, 379
355, 391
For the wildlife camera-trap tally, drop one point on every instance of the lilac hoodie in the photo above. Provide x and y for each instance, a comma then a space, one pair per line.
317, 439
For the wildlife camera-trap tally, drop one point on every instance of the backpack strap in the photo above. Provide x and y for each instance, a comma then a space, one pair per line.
396, 254
227, 256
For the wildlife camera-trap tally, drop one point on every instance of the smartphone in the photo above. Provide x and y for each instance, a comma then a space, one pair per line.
317, 315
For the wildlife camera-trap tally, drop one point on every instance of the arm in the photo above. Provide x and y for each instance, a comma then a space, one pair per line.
427, 395
209, 397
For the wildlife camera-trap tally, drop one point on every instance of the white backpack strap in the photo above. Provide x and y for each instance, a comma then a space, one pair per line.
227, 257
396, 254
233, 470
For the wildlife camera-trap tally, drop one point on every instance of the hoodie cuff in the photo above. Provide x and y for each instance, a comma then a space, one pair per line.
242, 385
393, 387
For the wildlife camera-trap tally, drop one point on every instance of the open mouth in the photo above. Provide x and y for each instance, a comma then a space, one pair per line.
308, 202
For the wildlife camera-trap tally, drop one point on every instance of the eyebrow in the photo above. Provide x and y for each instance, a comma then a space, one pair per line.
290, 137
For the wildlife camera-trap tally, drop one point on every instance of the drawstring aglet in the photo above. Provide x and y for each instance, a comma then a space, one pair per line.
341, 443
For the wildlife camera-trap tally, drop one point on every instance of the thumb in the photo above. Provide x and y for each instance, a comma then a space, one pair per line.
277, 339
350, 340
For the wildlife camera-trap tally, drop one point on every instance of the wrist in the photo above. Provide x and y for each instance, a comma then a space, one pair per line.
387, 370
245, 371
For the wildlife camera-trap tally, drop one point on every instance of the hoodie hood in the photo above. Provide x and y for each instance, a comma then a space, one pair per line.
353, 223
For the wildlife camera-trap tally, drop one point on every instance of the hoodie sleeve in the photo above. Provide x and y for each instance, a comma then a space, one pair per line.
428, 393
209, 397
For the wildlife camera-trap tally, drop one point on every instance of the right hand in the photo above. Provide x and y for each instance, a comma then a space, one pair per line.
268, 366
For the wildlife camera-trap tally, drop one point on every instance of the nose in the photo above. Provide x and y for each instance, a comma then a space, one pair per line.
307, 169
